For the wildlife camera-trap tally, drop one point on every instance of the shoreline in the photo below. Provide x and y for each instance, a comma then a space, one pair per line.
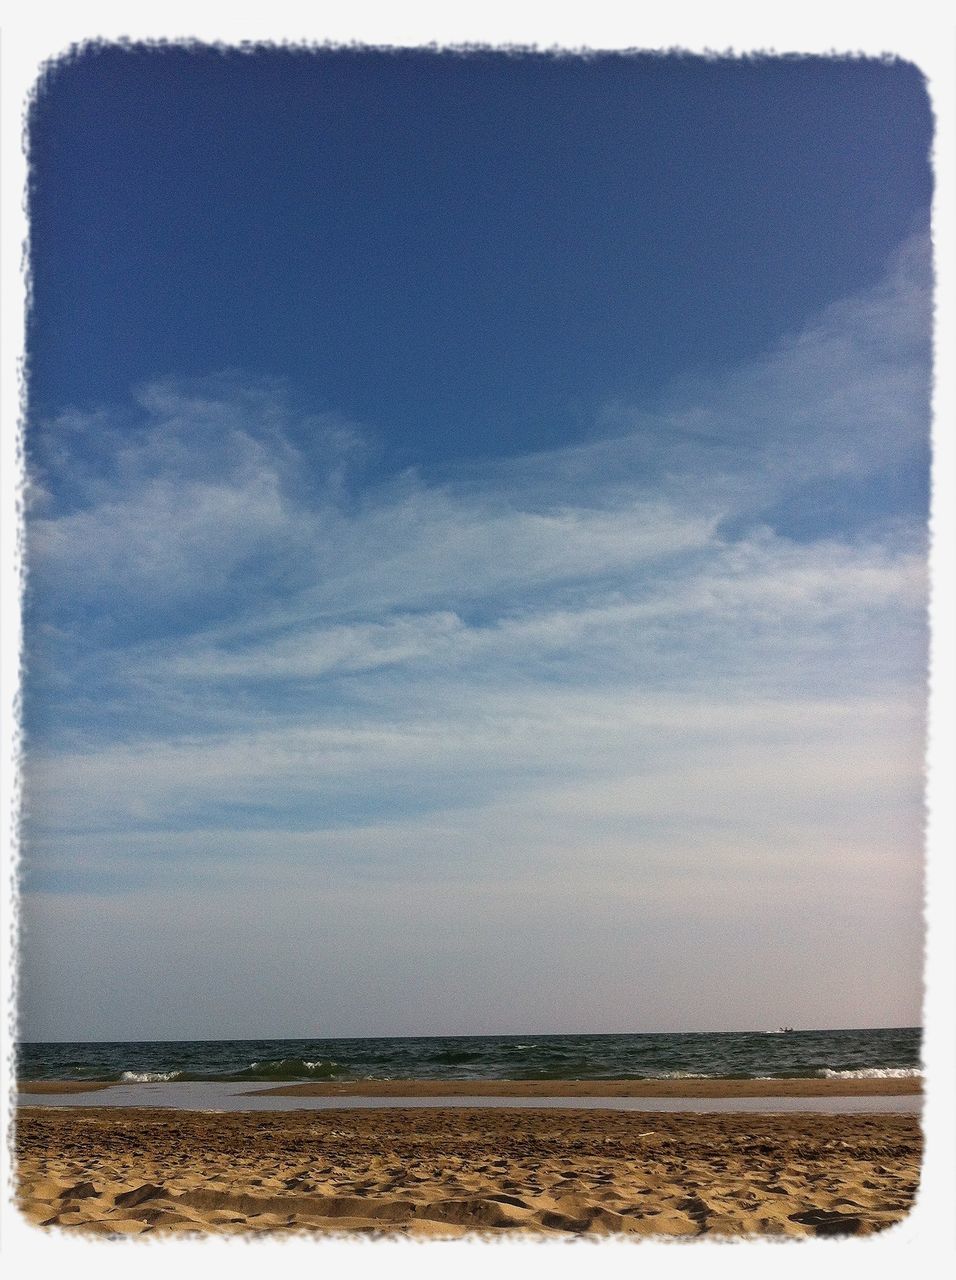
671, 1088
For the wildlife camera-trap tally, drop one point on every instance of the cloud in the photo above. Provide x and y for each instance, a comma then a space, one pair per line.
618, 670
195, 490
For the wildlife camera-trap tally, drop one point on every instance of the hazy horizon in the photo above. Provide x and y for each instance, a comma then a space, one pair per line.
487, 1035
476, 544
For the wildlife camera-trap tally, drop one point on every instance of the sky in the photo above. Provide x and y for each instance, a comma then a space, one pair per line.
476, 541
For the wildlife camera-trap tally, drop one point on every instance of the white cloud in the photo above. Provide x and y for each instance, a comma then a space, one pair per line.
598, 675
220, 484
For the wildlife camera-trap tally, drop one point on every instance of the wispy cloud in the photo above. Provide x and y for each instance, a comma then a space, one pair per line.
252, 661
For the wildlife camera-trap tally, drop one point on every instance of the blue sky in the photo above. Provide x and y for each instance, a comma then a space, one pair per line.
477, 544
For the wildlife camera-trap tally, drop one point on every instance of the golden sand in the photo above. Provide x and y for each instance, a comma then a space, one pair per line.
449, 1172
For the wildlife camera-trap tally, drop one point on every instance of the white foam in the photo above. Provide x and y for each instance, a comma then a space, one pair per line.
683, 1075
149, 1077
874, 1073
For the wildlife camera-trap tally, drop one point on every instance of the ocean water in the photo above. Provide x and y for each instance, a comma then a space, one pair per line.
883, 1051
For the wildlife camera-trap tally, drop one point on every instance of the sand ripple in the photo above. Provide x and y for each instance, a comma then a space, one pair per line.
446, 1173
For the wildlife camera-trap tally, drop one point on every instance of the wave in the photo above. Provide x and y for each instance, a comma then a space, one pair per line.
885, 1053
288, 1069
275, 1069
292, 1069
149, 1077
873, 1073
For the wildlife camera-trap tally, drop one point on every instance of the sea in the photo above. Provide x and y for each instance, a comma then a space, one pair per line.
736, 1055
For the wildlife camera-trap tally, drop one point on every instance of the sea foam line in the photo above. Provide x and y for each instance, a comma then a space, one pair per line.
149, 1077
874, 1073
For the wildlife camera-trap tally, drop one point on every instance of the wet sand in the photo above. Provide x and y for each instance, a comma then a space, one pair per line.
445, 1173
679, 1088
62, 1086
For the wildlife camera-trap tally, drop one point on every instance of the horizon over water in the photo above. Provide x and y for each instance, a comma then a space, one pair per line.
845, 1052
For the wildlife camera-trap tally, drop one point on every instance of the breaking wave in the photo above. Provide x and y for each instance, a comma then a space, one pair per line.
873, 1073
149, 1077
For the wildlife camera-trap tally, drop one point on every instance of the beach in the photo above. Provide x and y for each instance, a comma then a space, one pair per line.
444, 1172
473, 703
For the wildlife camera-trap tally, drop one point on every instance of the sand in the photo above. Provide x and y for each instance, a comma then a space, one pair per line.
451, 1172
682, 1088
62, 1086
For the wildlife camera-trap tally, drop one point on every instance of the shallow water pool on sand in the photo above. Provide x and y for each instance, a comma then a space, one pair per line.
221, 1096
